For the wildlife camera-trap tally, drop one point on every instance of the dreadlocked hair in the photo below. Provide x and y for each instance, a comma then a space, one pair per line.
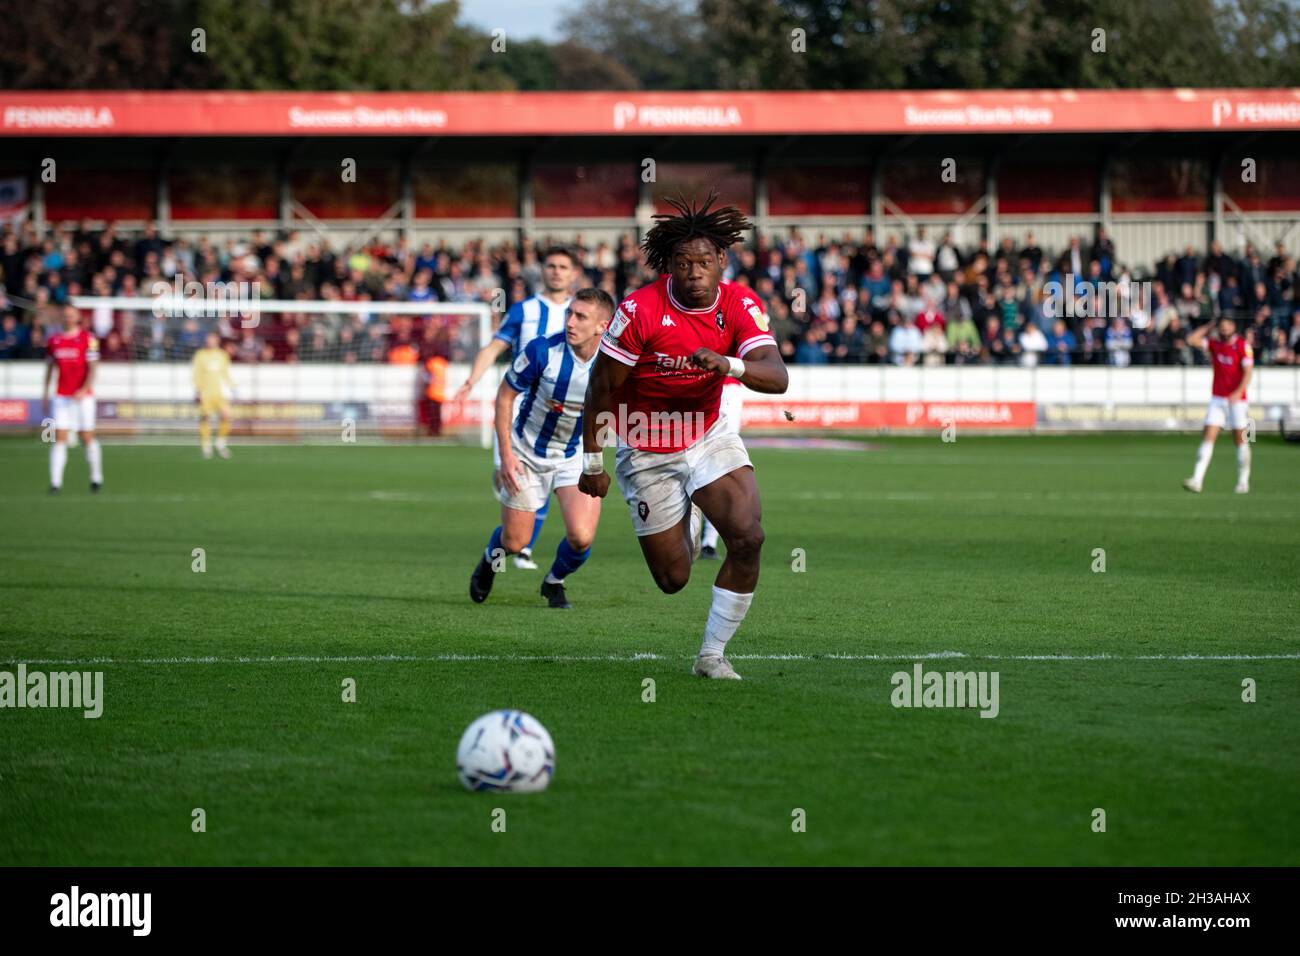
723, 227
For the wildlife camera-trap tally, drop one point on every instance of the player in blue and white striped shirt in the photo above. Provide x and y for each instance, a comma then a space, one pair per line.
540, 316
539, 433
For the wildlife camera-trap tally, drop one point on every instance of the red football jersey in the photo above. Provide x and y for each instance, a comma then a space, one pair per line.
656, 335
73, 352
1231, 359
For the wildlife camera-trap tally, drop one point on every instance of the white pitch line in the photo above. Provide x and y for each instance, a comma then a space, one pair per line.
634, 658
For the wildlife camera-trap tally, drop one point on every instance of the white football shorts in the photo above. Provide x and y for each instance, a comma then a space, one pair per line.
541, 477
74, 414
658, 485
1222, 412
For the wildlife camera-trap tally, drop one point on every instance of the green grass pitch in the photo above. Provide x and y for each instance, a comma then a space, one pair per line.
331, 559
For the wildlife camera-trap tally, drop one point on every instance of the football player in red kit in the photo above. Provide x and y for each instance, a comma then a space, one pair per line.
1233, 364
657, 384
74, 352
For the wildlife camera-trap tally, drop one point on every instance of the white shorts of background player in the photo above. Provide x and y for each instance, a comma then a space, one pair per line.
1222, 413
663, 482
541, 477
74, 414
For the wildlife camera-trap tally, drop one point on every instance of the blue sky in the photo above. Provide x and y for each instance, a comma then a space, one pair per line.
521, 18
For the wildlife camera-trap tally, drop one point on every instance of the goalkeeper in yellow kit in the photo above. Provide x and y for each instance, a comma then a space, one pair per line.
214, 386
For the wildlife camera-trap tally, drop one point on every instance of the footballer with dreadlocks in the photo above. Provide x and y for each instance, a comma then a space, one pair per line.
657, 384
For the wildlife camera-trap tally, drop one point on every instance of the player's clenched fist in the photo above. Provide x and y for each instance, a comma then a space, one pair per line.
594, 485
711, 360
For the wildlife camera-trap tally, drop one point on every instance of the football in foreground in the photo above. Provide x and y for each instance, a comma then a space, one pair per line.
506, 751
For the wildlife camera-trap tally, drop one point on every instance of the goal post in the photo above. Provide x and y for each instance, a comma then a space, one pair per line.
301, 368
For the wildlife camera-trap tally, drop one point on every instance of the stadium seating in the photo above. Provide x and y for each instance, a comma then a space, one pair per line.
905, 300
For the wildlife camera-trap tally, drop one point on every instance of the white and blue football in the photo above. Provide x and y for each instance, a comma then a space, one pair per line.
507, 751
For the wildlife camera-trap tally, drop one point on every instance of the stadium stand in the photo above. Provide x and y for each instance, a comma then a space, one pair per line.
905, 300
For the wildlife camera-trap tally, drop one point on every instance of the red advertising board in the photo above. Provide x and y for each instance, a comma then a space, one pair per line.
867, 416
238, 113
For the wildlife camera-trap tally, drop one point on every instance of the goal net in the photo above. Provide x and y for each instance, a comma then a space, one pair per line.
323, 370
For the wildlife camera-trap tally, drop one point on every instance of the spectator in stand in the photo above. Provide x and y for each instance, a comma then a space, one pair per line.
876, 289
928, 316
1103, 252
1230, 298
812, 349
920, 254
1119, 342
905, 342
1174, 349
877, 343
849, 343
963, 338
947, 260
1033, 345
1293, 339
1060, 344
14, 338
934, 343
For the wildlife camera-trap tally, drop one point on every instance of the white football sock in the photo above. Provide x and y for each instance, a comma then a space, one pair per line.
1202, 461
1243, 463
96, 461
58, 459
552, 579
710, 538
726, 613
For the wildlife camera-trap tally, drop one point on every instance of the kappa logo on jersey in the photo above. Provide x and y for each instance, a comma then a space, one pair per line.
668, 321
630, 305
618, 323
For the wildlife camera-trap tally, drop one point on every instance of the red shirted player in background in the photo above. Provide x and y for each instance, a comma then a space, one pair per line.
1233, 364
657, 382
75, 352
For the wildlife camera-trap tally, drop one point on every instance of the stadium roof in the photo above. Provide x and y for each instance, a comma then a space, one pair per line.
227, 113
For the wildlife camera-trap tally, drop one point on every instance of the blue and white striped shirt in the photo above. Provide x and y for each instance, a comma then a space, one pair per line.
553, 381
534, 318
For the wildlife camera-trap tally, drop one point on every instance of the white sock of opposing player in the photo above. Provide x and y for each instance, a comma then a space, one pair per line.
1202, 461
58, 459
95, 459
1243, 464
726, 613
710, 536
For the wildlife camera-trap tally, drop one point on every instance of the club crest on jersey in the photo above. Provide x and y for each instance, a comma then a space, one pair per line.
643, 510
722, 323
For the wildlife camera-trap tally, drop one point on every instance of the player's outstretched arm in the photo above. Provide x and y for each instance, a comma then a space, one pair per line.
487, 355
606, 376
764, 371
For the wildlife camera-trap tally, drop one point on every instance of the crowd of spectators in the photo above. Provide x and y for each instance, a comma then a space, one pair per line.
909, 302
